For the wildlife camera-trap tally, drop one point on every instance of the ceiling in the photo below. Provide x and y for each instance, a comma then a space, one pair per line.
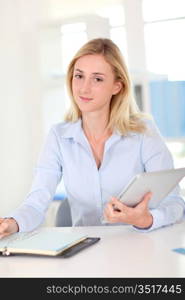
62, 9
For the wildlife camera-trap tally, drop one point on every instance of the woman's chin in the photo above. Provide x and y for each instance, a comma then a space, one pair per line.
86, 107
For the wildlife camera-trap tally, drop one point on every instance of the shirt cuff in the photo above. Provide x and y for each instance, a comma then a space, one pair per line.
158, 221
27, 218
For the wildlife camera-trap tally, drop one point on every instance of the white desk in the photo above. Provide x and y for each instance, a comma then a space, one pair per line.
121, 252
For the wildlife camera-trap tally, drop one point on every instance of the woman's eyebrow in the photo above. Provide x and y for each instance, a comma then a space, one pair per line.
94, 73
98, 73
78, 70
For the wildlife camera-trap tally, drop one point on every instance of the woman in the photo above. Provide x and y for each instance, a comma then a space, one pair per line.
102, 144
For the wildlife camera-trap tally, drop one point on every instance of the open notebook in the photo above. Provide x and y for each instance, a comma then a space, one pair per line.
45, 241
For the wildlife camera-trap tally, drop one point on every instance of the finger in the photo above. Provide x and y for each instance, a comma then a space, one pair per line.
108, 209
108, 217
146, 199
4, 235
113, 216
116, 201
106, 214
117, 207
4, 220
109, 212
3, 227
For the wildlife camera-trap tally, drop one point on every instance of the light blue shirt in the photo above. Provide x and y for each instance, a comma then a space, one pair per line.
66, 153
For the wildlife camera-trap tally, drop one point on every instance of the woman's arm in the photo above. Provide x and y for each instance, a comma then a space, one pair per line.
48, 173
154, 156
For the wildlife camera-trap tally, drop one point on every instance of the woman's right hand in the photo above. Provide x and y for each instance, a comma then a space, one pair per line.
8, 226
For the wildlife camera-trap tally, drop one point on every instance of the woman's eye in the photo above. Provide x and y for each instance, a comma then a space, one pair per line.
98, 79
78, 76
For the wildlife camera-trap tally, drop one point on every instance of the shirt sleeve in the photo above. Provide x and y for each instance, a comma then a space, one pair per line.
156, 156
47, 175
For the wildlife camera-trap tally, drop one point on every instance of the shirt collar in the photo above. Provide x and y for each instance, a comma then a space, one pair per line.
74, 130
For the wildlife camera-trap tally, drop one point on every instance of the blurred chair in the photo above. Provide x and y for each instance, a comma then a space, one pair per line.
63, 216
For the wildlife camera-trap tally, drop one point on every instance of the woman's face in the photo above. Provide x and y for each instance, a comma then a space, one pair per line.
93, 83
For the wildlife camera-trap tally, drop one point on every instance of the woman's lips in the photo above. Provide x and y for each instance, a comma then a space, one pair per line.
85, 99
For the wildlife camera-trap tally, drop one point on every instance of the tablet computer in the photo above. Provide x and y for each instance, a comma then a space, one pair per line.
160, 183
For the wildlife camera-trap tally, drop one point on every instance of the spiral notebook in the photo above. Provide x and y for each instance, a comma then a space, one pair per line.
45, 241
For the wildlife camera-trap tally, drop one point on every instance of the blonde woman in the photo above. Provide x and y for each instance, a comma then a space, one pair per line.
102, 144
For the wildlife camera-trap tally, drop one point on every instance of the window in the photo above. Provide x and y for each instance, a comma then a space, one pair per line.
116, 16
72, 38
165, 48
155, 10
118, 35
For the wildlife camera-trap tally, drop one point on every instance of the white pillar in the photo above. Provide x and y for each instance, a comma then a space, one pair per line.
20, 114
136, 47
97, 27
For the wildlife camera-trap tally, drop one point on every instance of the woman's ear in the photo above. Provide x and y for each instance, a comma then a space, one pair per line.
117, 87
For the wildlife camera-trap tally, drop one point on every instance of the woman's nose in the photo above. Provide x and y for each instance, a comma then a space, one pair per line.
86, 86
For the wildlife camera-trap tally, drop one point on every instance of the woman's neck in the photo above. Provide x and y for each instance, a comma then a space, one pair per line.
95, 125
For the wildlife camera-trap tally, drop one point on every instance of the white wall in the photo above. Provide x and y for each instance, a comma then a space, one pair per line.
29, 53
20, 96
136, 47
29, 32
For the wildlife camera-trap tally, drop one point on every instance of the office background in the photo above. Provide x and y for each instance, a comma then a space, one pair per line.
37, 40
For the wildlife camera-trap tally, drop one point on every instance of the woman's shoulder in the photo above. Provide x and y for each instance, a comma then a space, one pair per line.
148, 125
146, 122
65, 128
152, 132
151, 126
62, 126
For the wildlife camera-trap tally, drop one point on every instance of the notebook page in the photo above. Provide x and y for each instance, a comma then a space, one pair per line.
44, 240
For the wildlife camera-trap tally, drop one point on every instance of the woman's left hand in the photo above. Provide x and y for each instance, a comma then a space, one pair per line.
139, 216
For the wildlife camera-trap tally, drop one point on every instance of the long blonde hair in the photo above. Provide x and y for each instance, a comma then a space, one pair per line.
124, 112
